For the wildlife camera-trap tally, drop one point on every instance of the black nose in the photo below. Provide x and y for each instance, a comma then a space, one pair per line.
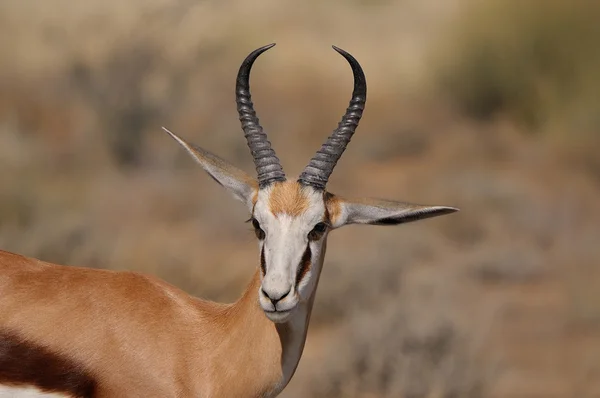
273, 297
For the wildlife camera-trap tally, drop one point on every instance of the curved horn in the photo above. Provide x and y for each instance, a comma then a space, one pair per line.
267, 164
321, 166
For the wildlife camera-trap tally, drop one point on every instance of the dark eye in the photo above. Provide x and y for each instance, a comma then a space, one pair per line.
260, 234
318, 231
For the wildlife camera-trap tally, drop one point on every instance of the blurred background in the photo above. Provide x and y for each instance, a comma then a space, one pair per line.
492, 106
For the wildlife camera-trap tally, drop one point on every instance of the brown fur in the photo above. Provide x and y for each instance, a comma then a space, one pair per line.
305, 264
333, 208
138, 336
24, 363
288, 198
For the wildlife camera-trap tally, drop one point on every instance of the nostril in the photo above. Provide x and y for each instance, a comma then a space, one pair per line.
284, 296
275, 299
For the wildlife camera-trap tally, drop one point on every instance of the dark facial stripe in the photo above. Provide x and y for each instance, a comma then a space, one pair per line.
304, 265
327, 216
25, 363
263, 263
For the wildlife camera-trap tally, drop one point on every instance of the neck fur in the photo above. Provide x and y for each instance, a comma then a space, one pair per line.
278, 347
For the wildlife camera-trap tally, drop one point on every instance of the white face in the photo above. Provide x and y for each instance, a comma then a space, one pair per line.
292, 228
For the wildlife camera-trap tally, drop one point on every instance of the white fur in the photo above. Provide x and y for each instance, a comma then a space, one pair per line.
27, 392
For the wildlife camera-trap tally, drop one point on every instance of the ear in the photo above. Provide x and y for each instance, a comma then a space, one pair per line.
240, 184
378, 212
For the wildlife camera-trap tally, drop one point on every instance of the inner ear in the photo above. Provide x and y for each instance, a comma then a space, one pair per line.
241, 185
413, 214
378, 211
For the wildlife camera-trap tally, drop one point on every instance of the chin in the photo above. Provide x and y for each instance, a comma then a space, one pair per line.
279, 316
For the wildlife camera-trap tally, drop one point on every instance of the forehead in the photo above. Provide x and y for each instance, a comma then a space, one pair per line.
290, 198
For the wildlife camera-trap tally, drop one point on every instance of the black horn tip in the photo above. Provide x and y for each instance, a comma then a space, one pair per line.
262, 49
244, 72
345, 54
360, 84
336, 48
252, 56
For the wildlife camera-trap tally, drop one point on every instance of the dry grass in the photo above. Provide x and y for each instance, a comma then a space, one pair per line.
499, 300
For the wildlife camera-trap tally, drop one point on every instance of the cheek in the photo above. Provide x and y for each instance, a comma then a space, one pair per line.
303, 287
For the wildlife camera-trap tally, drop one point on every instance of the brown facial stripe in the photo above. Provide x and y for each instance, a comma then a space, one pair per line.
305, 264
263, 263
327, 216
25, 363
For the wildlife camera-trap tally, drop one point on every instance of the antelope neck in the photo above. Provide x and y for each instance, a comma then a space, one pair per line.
289, 337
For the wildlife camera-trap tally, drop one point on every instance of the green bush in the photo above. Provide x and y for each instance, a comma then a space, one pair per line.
536, 61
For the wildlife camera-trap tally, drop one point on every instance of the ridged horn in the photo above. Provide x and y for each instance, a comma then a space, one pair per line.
321, 166
267, 164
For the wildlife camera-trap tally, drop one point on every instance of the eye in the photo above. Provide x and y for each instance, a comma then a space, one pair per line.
260, 234
318, 231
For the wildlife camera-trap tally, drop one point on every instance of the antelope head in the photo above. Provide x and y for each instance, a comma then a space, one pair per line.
292, 218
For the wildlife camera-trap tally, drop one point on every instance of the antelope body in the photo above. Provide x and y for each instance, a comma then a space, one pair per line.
77, 332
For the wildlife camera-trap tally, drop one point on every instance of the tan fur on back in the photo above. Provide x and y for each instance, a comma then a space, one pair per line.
288, 198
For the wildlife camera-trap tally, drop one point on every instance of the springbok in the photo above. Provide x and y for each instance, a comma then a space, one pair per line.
78, 332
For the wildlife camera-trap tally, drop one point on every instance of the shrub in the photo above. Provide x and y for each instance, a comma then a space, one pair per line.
535, 61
